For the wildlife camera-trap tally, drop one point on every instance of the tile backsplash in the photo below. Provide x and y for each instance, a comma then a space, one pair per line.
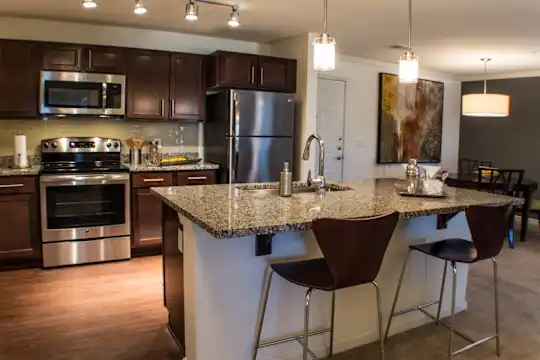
175, 137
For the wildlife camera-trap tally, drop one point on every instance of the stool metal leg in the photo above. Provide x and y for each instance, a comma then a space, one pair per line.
495, 283
453, 310
306, 324
380, 320
262, 311
397, 294
442, 293
331, 352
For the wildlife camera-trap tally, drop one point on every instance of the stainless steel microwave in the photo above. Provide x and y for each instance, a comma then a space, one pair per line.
72, 93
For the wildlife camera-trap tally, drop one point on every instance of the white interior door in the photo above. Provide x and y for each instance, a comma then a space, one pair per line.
331, 125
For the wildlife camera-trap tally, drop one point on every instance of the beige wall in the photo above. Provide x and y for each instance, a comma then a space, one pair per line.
174, 136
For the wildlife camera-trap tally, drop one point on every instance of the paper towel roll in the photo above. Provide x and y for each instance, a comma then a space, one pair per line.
20, 157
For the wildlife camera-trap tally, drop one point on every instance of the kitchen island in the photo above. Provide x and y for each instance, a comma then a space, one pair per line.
213, 276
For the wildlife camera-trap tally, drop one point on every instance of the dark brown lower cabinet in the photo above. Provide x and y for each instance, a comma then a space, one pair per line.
173, 275
146, 208
20, 243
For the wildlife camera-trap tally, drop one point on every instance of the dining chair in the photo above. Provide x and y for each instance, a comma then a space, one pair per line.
469, 166
502, 182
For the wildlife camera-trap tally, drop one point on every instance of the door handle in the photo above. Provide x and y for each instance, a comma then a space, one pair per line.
90, 58
162, 109
173, 105
197, 178
153, 180
339, 147
339, 157
340, 138
262, 76
253, 74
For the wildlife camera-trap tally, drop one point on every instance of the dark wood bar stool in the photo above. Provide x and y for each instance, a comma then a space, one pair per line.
469, 166
487, 225
353, 252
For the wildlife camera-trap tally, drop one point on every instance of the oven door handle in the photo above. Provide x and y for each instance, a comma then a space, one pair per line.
68, 180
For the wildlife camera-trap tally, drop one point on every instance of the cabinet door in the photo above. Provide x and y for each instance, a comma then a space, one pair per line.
196, 178
188, 93
147, 218
147, 84
237, 70
19, 79
105, 60
62, 57
277, 74
19, 238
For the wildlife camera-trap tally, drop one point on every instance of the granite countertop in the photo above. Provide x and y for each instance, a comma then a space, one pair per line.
227, 211
148, 168
33, 170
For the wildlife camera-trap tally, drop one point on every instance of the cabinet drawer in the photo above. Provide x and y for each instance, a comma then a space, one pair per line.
17, 185
152, 179
196, 177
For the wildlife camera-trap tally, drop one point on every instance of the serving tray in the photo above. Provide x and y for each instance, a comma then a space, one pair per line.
403, 191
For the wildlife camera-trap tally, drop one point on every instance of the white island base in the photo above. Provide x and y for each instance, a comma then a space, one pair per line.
223, 280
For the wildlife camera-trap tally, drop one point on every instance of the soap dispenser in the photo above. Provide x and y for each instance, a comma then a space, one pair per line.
285, 181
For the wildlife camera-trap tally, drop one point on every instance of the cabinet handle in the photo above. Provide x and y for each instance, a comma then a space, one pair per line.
197, 178
253, 74
89, 58
162, 110
173, 105
153, 180
262, 76
11, 186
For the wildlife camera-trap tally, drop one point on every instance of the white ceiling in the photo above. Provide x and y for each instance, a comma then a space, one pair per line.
449, 36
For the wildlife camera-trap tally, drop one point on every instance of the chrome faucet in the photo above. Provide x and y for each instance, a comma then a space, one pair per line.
319, 180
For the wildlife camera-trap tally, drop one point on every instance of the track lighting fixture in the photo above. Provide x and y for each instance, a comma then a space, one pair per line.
192, 11
139, 8
89, 4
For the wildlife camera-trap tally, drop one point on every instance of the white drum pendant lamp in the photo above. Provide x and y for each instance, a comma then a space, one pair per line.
486, 105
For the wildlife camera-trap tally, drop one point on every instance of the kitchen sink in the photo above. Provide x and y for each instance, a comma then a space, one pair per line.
302, 189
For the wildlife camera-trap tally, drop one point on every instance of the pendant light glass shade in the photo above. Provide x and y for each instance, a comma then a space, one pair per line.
234, 19
139, 8
89, 4
408, 68
324, 53
486, 105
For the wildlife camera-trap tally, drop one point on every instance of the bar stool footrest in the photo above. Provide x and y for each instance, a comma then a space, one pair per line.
297, 337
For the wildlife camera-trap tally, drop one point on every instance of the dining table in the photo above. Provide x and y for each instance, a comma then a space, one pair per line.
524, 190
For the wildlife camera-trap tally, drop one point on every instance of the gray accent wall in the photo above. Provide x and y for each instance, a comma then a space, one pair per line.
511, 142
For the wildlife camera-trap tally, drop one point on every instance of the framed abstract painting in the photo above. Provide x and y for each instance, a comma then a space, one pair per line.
410, 120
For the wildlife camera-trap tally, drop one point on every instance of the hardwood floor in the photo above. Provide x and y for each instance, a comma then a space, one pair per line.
111, 311
115, 311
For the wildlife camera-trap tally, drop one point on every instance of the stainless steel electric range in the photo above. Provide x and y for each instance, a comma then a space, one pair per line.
85, 201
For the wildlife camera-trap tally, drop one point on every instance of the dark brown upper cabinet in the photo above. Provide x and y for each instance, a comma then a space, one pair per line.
72, 57
19, 79
187, 87
246, 71
147, 77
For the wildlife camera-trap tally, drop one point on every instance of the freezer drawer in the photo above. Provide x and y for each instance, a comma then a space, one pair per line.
260, 159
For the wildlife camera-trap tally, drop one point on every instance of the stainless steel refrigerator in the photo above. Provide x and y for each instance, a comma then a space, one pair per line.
250, 134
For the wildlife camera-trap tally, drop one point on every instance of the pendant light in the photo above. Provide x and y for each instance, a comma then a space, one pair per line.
192, 11
234, 19
324, 54
486, 105
408, 63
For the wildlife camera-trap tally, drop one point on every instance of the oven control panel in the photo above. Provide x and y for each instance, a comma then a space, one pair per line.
70, 145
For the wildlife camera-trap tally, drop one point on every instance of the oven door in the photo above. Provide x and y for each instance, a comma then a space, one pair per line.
84, 207
69, 93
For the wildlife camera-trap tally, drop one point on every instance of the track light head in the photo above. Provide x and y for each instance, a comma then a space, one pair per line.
234, 20
192, 11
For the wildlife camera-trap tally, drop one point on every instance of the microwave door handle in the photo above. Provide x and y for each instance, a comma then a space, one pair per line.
104, 96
